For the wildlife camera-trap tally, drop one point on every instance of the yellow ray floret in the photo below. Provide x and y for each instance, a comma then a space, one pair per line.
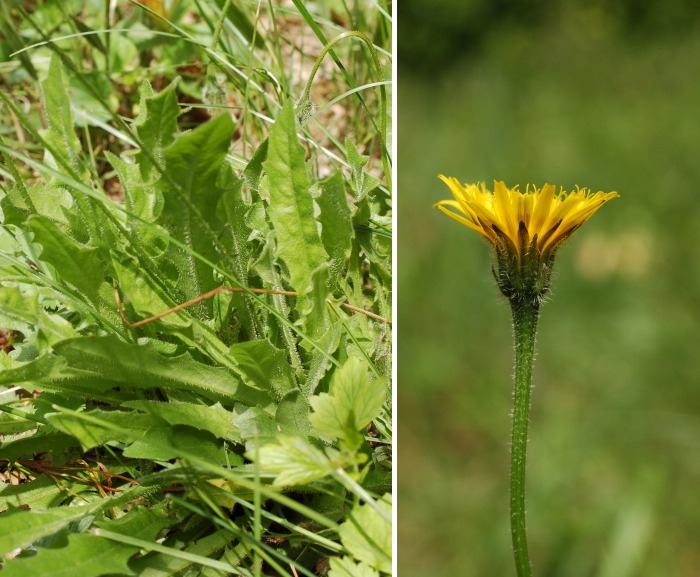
542, 215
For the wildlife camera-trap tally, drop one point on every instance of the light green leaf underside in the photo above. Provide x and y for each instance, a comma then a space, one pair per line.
367, 535
19, 528
354, 401
346, 567
83, 555
294, 460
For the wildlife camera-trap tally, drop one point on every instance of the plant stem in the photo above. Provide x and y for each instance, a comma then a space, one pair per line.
525, 315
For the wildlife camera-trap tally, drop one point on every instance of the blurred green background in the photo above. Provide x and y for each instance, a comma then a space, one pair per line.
601, 94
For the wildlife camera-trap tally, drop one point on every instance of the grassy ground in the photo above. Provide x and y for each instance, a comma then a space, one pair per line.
615, 433
217, 171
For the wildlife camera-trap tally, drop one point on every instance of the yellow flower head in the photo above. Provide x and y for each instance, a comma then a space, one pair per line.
525, 227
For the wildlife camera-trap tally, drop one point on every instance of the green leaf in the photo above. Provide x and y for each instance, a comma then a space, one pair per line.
320, 363
233, 210
322, 329
361, 181
291, 207
158, 564
256, 426
140, 522
90, 36
336, 223
254, 169
41, 493
48, 199
86, 106
293, 412
295, 461
40, 442
60, 135
13, 41
46, 366
90, 365
140, 199
124, 364
76, 264
156, 124
19, 528
162, 443
84, 555
124, 426
191, 191
144, 294
354, 401
214, 418
14, 420
123, 55
20, 310
265, 365
345, 567
367, 535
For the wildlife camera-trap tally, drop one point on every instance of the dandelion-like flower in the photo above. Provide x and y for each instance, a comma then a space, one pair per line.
526, 228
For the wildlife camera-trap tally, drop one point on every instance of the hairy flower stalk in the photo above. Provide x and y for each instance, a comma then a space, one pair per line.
526, 230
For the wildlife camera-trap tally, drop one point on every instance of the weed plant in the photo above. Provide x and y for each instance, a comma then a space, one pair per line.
154, 423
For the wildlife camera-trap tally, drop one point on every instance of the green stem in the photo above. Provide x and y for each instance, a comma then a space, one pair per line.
220, 24
525, 315
379, 76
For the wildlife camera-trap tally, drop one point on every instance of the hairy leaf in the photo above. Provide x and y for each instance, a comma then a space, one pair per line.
77, 264
254, 168
256, 426
156, 125
336, 223
162, 443
20, 310
291, 207
70, 555
140, 522
144, 294
214, 418
191, 192
141, 199
293, 412
233, 210
97, 364
60, 135
265, 365
49, 200
104, 426
112, 359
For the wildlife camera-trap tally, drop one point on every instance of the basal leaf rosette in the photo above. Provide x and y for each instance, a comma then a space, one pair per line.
526, 228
